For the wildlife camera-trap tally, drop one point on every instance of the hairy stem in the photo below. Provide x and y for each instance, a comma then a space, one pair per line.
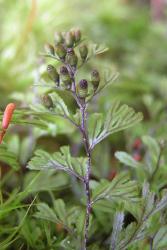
151, 243
83, 129
87, 176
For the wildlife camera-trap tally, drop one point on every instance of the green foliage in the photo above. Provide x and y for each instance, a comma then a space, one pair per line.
120, 189
59, 161
127, 159
46, 181
47, 209
117, 227
159, 240
8, 157
118, 118
139, 231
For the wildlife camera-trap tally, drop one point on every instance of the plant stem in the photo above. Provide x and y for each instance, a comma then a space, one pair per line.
151, 243
87, 176
83, 129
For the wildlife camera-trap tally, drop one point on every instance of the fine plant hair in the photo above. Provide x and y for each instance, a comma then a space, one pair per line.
72, 52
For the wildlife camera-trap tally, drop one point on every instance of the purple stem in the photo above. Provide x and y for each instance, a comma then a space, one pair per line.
83, 129
87, 176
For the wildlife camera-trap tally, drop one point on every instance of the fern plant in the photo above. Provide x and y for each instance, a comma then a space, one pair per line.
99, 219
72, 53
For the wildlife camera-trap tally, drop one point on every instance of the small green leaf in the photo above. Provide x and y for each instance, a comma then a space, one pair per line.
104, 206
120, 189
118, 118
55, 215
59, 105
152, 145
59, 110
117, 227
80, 222
127, 236
61, 160
46, 213
59, 207
127, 159
95, 49
151, 205
27, 146
153, 152
45, 181
160, 205
160, 239
94, 126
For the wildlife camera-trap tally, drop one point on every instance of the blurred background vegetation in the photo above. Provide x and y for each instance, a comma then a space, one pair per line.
135, 33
